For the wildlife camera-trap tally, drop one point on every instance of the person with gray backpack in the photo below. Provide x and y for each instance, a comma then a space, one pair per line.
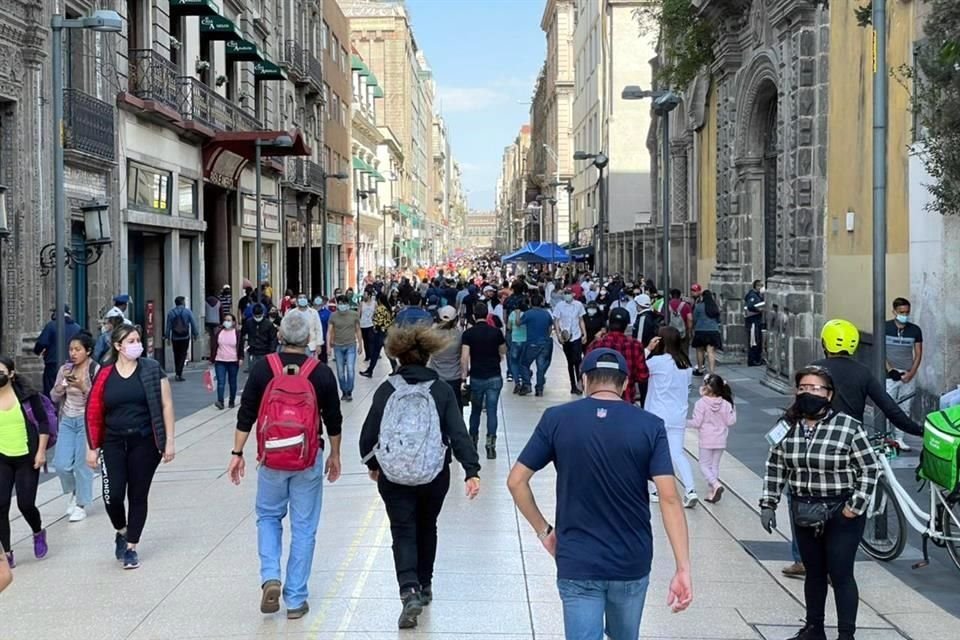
413, 429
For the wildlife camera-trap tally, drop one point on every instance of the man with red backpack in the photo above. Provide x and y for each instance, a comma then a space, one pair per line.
286, 395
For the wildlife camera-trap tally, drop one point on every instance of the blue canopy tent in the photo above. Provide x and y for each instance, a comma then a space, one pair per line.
538, 252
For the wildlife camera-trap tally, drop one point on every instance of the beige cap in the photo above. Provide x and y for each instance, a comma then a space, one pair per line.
447, 313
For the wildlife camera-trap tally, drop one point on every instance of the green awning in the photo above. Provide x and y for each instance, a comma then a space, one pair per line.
356, 64
376, 174
242, 51
360, 165
219, 28
372, 79
377, 92
406, 211
193, 8
266, 70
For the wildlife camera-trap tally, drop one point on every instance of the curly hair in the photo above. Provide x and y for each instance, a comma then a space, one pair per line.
415, 343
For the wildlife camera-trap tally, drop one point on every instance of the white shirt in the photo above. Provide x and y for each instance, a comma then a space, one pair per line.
668, 392
367, 310
591, 295
567, 315
548, 291
316, 327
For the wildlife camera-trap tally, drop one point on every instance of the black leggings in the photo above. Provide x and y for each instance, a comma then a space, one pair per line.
18, 472
573, 351
413, 513
832, 554
128, 464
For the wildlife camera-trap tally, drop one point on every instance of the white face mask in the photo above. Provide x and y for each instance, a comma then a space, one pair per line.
568, 297
302, 302
591, 312
228, 324
343, 307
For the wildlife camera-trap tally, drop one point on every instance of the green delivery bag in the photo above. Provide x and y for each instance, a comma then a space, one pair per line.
941, 445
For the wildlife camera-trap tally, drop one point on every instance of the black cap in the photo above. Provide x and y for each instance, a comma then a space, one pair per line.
620, 316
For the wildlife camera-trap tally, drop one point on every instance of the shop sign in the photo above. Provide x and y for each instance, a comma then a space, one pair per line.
269, 212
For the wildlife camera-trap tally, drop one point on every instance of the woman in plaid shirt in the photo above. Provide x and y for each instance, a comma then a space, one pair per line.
827, 460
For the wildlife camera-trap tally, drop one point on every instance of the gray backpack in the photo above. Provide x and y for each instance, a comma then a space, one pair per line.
411, 450
676, 319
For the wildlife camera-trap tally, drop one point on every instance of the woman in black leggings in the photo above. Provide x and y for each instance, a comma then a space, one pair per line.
130, 423
24, 432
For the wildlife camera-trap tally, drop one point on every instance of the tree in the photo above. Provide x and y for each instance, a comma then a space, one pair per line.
686, 39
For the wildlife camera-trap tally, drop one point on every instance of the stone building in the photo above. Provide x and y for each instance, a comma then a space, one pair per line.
771, 154
367, 172
512, 193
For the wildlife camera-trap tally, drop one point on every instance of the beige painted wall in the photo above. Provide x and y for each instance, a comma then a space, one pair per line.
849, 163
706, 143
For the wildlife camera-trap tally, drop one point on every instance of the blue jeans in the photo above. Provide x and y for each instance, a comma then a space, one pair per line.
484, 393
225, 371
70, 459
303, 492
346, 358
592, 607
515, 361
542, 354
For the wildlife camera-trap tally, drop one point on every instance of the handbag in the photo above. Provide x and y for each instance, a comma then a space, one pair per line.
814, 514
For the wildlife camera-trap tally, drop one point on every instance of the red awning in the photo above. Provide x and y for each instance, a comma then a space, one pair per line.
228, 153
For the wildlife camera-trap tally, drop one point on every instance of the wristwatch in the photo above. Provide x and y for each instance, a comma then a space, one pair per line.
239, 454
543, 535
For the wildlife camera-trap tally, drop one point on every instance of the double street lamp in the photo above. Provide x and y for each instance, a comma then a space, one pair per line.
600, 161
104, 21
663, 103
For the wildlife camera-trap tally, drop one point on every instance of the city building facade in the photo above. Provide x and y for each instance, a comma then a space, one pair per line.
367, 176
513, 194
481, 230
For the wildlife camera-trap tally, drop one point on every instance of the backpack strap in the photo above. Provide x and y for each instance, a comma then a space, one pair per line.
275, 364
307, 367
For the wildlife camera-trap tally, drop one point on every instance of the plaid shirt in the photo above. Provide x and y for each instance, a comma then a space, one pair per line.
632, 351
836, 461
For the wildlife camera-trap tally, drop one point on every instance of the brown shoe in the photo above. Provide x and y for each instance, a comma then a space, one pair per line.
796, 570
270, 598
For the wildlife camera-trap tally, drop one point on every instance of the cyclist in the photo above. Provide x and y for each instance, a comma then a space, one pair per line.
855, 382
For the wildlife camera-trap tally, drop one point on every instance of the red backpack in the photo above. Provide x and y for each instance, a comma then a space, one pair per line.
288, 425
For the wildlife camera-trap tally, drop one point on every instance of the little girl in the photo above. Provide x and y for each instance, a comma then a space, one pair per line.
713, 414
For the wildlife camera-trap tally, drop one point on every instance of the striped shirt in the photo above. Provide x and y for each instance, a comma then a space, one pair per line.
836, 461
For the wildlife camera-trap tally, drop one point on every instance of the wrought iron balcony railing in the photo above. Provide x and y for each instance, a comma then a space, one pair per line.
89, 124
153, 77
314, 71
197, 101
294, 61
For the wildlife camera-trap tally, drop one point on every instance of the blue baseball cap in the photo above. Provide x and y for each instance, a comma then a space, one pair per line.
604, 359
123, 298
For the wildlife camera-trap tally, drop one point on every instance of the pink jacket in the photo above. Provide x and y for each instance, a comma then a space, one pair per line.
713, 417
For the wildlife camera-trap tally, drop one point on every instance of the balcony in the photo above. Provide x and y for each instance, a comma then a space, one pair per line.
314, 73
292, 61
153, 77
306, 174
88, 125
198, 102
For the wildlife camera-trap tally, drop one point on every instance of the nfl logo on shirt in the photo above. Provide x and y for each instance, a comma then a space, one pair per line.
601, 413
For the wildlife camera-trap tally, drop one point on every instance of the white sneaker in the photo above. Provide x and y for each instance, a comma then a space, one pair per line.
654, 496
71, 506
690, 500
79, 513
903, 445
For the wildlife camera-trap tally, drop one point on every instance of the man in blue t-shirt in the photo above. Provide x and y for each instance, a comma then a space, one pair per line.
605, 451
539, 347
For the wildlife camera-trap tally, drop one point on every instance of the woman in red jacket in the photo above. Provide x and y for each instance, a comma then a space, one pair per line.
130, 428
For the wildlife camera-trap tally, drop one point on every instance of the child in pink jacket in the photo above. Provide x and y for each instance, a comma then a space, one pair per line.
713, 415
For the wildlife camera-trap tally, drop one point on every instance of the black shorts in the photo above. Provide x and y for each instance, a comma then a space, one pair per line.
703, 339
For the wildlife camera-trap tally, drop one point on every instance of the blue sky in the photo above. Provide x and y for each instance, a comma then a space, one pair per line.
485, 56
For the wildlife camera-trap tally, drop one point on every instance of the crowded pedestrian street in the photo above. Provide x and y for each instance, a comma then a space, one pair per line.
494, 581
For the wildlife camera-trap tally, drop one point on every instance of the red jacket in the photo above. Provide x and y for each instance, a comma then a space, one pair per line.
150, 375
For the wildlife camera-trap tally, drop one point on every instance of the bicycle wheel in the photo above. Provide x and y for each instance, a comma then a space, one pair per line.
950, 529
885, 535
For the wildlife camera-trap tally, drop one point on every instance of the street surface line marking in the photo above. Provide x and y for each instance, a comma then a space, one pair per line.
361, 582
342, 569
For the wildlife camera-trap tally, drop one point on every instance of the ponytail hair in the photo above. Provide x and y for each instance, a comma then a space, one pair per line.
718, 387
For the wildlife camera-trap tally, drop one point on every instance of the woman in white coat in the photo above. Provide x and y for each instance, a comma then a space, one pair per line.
668, 397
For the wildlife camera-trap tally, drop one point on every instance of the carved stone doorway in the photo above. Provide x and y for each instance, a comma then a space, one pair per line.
771, 248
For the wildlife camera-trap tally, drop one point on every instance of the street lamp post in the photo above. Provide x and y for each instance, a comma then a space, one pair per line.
663, 103
600, 161
105, 21
362, 194
280, 142
323, 231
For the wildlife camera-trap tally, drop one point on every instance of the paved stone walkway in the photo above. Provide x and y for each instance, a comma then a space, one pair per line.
199, 577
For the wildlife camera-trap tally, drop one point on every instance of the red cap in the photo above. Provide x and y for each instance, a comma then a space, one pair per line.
696, 288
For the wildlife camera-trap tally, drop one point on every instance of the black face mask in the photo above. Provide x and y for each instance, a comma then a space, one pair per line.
812, 406
4, 380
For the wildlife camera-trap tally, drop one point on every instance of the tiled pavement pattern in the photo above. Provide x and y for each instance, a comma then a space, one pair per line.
199, 577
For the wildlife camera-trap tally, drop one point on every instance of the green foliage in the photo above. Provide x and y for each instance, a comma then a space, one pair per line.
864, 14
936, 103
686, 39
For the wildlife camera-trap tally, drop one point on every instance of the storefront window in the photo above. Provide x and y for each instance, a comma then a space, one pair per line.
148, 188
187, 197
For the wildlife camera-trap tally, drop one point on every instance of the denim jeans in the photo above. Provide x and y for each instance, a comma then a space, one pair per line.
542, 354
515, 361
592, 607
70, 459
226, 371
484, 392
346, 359
302, 491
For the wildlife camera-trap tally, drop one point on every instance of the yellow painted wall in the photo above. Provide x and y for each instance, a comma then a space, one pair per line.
707, 174
850, 163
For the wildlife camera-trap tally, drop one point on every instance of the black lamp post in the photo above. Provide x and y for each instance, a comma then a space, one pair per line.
600, 161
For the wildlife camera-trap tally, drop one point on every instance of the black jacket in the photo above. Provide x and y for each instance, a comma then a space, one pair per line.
454, 430
260, 337
854, 383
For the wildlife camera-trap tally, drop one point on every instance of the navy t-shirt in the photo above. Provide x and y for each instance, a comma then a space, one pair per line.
604, 452
538, 323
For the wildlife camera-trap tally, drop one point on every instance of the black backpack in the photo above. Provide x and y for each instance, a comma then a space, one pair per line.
180, 328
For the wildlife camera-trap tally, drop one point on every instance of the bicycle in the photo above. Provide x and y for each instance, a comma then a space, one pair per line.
891, 508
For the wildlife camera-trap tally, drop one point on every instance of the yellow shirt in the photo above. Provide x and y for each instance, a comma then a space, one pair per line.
13, 432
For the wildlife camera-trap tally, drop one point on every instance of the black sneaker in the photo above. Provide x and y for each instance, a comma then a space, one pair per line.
698, 373
218, 404
516, 389
525, 390
426, 595
538, 392
367, 374
130, 559
121, 545
232, 404
576, 391
412, 607
810, 632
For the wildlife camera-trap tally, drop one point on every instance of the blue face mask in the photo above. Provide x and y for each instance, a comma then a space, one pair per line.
902, 319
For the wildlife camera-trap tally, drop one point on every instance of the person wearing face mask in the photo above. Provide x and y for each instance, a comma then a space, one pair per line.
828, 463
368, 306
324, 309
604, 300
753, 306
345, 341
113, 319
568, 316
226, 356
24, 433
313, 322
258, 339
130, 429
594, 323
904, 342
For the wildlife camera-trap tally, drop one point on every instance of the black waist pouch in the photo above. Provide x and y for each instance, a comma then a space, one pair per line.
814, 513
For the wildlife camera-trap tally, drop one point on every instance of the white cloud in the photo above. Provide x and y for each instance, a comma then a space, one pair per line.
463, 99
